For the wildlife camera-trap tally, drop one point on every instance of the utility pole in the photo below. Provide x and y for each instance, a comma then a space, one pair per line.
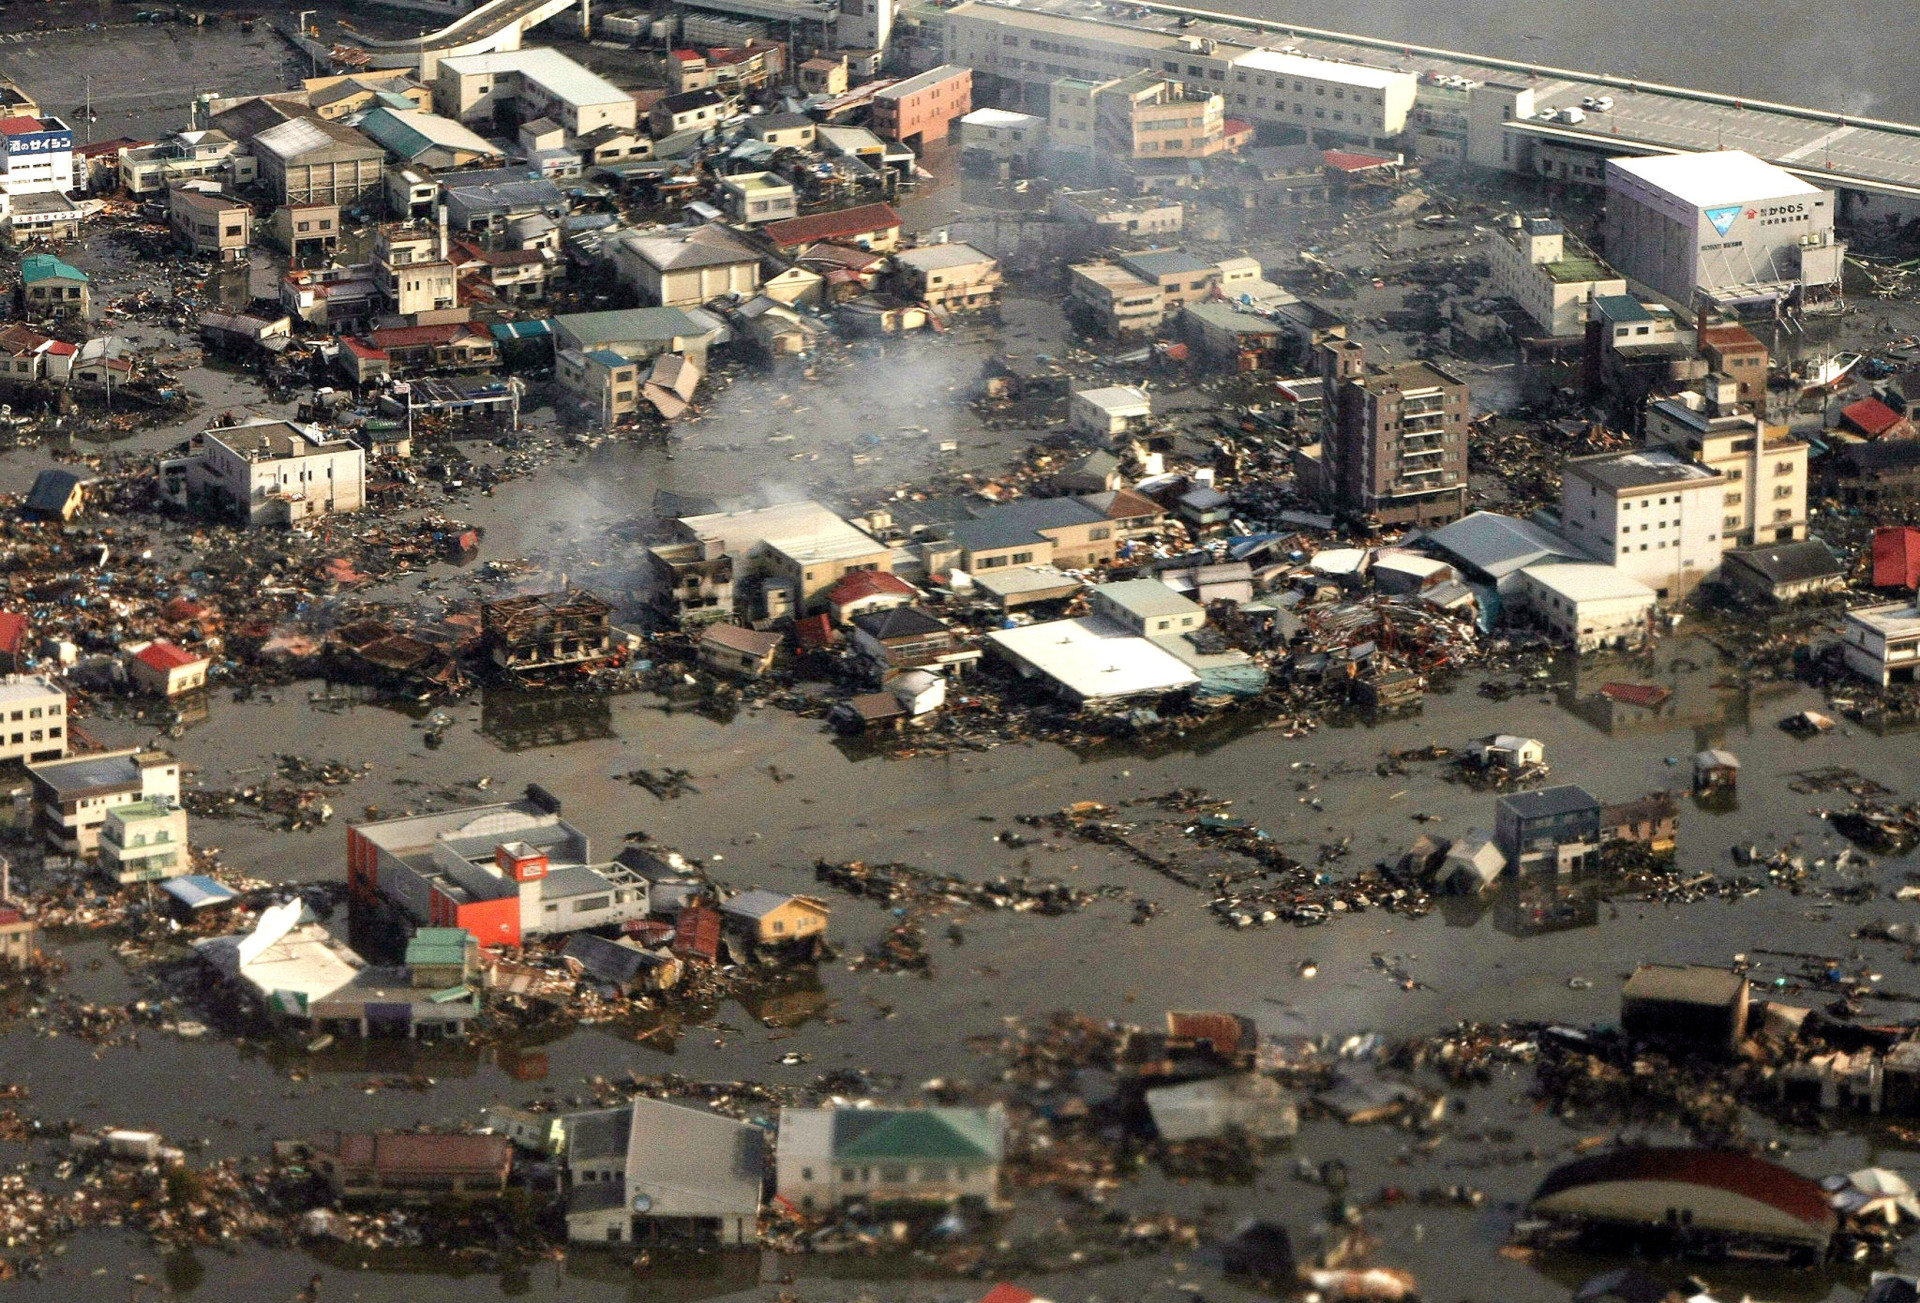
313, 64
89, 108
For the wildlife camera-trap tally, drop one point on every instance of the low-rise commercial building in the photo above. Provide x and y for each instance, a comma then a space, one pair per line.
1113, 216
506, 872
1002, 135
1114, 301
1147, 607
1063, 532
1091, 661
71, 797
413, 1166
1587, 607
786, 557
686, 266
544, 631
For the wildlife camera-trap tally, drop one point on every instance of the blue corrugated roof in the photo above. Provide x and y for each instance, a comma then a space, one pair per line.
197, 891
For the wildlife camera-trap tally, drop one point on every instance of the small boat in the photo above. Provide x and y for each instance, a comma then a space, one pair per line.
1826, 372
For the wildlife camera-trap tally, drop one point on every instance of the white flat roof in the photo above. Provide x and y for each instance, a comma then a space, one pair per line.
804, 531
553, 71
28, 687
999, 118
1717, 176
1893, 620
1117, 398
1299, 65
1094, 660
1579, 581
1016, 580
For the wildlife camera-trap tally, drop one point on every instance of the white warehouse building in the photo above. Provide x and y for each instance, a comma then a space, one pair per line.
1722, 226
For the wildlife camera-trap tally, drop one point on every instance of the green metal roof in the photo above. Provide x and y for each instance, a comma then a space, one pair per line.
44, 266
952, 1134
438, 945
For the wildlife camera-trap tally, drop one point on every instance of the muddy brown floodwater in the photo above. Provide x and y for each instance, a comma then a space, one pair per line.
1473, 962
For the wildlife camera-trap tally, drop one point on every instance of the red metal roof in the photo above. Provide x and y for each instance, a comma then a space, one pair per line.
1009, 1294
406, 336
1715, 1169
847, 222
1636, 694
21, 126
13, 632
812, 632
164, 656
1341, 160
696, 933
1896, 557
868, 583
1871, 417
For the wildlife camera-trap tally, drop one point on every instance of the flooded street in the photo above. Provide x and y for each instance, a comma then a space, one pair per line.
1472, 961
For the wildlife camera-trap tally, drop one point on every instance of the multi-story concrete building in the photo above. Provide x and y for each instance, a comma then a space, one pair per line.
144, 841
38, 156
1721, 227
507, 873
413, 270
210, 225
923, 108
756, 198
271, 472
1027, 51
33, 718
1393, 440
1653, 515
1734, 351
1151, 116
1326, 99
522, 85
949, 275
1882, 643
1764, 466
72, 797
1001, 135
1530, 262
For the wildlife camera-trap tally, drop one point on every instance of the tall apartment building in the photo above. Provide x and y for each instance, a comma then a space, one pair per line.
1765, 467
1652, 515
1393, 439
1530, 262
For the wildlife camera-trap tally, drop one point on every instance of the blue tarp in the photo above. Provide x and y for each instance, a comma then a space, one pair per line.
197, 891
